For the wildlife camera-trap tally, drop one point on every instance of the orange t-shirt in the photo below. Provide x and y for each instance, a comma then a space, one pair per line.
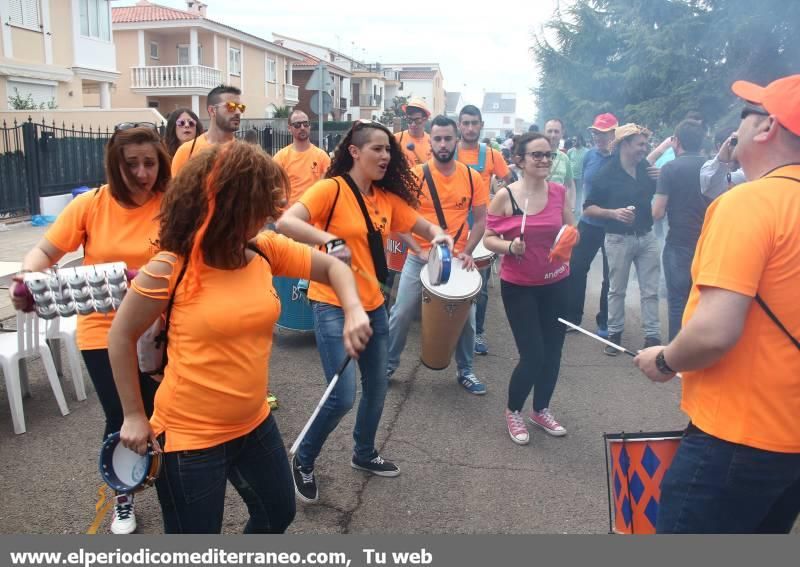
420, 150
389, 213
750, 244
495, 163
303, 168
215, 384
454, 195
185, 152
112, 233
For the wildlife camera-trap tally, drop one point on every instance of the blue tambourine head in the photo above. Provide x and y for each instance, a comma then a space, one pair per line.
439, 262
124, 470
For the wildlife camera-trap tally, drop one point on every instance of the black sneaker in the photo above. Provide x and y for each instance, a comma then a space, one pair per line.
651, 342
615, 338
305, 485
376, 465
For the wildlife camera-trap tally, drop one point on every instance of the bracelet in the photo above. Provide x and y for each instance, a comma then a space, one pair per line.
510, 244
334, 243
661, 363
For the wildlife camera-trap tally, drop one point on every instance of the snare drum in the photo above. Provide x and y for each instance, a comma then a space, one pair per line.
445, 311
637, 467
483, 256
296, 314
124, 470
396, 252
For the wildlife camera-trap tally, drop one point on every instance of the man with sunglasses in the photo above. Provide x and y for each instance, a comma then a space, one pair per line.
737, 469
303, 162
415, 142
225, 109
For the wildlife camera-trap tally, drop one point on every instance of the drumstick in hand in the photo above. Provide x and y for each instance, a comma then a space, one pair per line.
522, 228
321, 403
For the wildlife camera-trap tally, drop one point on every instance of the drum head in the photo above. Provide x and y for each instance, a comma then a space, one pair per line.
439, 262
122, 469
462, 284
481, 252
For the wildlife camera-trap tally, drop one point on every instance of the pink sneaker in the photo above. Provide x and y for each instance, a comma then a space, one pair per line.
516, 427
546, 421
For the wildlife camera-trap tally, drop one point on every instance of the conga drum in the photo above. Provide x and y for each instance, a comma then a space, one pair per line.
483, 256
396, 252
445, 310
635, 470
296, 314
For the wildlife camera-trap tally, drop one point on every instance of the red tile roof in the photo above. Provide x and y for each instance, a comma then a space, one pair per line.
417, 75
312, 61
146, 12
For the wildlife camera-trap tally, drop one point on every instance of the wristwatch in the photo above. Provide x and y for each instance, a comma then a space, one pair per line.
661, 363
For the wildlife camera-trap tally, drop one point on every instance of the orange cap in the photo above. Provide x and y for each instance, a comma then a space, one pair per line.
781, 98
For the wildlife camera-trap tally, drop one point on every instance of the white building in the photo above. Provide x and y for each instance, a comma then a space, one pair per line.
418, 80
499, 114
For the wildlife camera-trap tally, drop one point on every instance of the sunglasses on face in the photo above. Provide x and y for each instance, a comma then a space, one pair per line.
121, 127
539, 156
301, 124
748, 110
418, 120
231, 106
189, 123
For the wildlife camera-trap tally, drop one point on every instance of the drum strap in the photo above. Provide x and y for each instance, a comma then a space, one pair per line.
437, 204
761, 301
374, 237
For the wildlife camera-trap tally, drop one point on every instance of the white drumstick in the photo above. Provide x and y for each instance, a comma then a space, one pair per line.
596, 337
524, 219
321, 403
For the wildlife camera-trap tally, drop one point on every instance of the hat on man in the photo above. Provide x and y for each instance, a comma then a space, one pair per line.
628, 130
416, 103
604, 122
781, 98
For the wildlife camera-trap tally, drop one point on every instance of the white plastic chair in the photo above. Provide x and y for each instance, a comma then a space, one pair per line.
26, 343
63, 329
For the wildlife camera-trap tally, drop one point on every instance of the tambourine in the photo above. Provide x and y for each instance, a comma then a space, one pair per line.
78, 290
126, 471
439, 262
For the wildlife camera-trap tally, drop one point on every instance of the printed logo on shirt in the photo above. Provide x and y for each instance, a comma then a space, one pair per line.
462, 203
555, 274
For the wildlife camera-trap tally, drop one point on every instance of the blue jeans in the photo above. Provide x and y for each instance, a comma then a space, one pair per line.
677, 262
409, 298
714, 486
191, 488
328, 328
483, 301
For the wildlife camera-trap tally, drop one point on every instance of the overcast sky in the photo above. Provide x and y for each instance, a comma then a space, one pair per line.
485, 51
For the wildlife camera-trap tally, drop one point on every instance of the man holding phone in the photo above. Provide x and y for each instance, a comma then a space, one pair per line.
719, 174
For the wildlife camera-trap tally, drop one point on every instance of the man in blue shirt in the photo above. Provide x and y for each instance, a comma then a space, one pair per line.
592, 230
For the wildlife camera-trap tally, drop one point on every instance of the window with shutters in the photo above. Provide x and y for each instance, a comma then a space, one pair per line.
40, 94
235, 61
25, 14
272, 70
95, 19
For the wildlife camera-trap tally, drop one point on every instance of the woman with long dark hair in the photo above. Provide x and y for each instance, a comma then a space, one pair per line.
533, 286
368, 170
211, 419
182, 126
115, 223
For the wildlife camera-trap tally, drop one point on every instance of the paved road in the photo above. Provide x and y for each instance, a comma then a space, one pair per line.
460, 471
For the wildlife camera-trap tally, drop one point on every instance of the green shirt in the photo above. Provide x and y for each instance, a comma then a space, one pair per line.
561, 169
576, 156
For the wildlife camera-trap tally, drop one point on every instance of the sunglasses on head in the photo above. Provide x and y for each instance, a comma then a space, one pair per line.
539, 156
300, 124
188, 122
748, 110
122, 126
231, 106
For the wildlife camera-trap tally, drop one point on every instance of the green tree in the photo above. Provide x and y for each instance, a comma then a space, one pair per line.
19, 102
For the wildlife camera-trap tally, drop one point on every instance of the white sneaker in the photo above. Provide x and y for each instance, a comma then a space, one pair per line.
124, 519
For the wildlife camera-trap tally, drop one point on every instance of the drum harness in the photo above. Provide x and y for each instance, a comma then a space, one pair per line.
426, 171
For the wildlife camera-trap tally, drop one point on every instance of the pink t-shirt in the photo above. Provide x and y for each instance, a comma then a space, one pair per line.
533, 267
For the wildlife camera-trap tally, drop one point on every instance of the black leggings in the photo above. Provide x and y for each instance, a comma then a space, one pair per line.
99, 367
533, 313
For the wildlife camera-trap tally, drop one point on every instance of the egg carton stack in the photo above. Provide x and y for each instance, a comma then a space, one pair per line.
82, 290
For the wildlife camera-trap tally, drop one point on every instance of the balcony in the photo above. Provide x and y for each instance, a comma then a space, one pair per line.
291, 94
367, 101
175, 79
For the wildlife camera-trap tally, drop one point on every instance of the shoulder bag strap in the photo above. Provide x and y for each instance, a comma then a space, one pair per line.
426, 171
164, 337
361, 204
333, 207
258, 251
777, 321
